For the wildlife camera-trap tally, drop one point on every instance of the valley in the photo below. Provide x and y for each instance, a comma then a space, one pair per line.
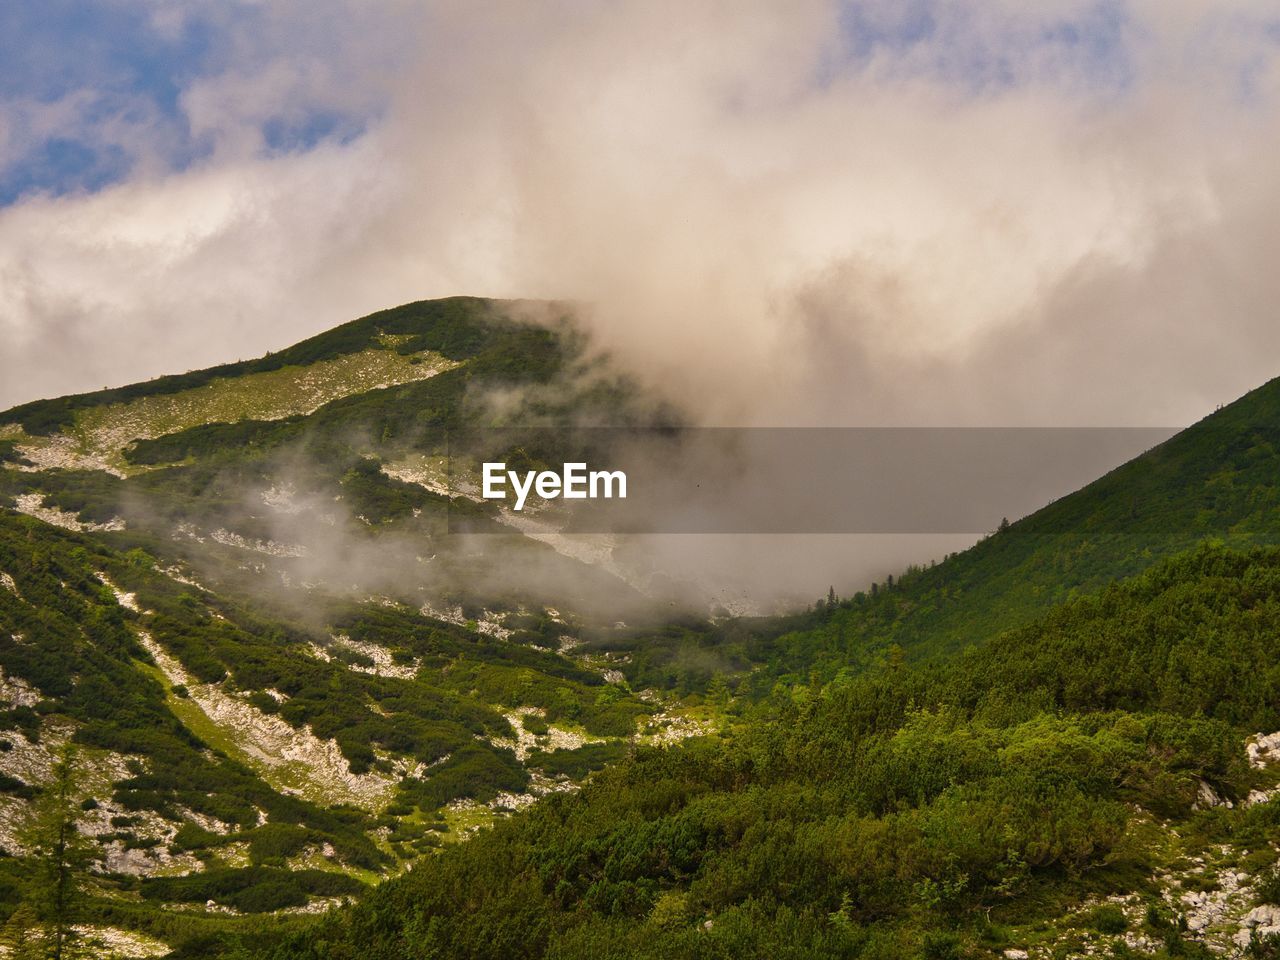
295, 716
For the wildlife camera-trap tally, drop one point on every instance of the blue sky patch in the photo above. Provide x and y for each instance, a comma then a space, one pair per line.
115, 84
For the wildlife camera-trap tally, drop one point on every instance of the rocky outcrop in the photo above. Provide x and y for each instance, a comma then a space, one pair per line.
382, 663
1262, 749
33, 505
16, 692
275, 747
1207, 797
1263, 921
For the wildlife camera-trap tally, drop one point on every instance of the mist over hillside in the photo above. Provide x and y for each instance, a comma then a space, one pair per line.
316, 678
639, 480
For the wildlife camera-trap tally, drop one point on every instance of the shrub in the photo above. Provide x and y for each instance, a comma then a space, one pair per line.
1109, 919
1267, 887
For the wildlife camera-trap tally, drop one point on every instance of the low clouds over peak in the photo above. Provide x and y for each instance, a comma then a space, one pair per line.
927, 212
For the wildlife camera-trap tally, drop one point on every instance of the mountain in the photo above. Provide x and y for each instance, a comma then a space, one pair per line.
1057, 743
1090, 784
244, 656
1053, 744
1216, 480
231, 614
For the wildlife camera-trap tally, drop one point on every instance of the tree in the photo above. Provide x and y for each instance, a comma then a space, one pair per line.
20, 936
718, 691
831, 598
61, 850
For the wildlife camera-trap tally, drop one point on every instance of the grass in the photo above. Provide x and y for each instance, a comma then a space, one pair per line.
199, 723
463, 821
102, 433
284, 778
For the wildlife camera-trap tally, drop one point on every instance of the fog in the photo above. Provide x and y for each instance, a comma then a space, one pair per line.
877, 213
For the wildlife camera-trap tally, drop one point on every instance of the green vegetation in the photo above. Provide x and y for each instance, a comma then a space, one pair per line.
904, 806
195, 738
9, 453
1215, 480
577, 763
63, 632
61, 852
1009, 750
251, 890
456, 328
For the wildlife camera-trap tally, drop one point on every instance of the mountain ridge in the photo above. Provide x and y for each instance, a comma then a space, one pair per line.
294, 682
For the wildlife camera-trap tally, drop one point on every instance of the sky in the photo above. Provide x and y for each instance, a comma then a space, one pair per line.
893, 211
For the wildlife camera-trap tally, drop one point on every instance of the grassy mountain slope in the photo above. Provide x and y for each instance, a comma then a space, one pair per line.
456, 328
234, 594
1059, 790
280, 678
1215, 480
1060, 787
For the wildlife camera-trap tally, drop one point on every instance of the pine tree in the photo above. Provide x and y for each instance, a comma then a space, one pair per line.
20, 937
62, 851
718, 690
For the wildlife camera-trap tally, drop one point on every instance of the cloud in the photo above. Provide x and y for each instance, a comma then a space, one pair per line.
866, 213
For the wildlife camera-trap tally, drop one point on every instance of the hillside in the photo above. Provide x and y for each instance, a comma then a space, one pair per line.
231, 595
1091, 775
239, 641
1090, 784
1216, 480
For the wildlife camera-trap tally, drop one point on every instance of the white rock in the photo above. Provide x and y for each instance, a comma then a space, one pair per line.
1265, 915
271, 742
1262, 748
32, 504
16, 692
1207, 797
383, 665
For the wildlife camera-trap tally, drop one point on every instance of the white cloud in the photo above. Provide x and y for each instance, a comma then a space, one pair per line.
762, 233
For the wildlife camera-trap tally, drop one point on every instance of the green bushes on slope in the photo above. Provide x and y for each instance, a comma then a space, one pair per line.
867, 815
